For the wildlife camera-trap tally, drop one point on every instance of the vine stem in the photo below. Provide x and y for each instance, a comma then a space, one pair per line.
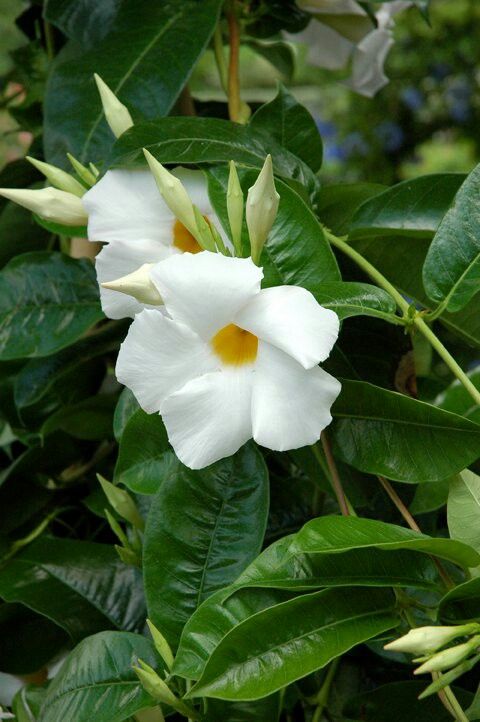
234, 101
417, 320
334, 475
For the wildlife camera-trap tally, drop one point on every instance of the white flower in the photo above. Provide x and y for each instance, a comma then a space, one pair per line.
127, 212
228, 361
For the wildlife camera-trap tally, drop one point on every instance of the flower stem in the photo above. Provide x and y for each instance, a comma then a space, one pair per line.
334, 475
417, 320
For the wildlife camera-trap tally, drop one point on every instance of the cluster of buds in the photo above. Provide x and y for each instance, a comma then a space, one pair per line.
130, 548
428, 642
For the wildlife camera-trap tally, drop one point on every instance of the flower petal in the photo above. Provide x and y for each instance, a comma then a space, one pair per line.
368, 59
290, 405
116, 260
210, 417
159, 356
291, 319
206, 290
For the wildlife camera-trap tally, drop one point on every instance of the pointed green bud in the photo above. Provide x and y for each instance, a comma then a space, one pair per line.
122, 502
174, 194
58, 177
425, 640
128, 556
86, 175
137, 284
235, 208
218, 241
262, 207
160, 691
49, 203
94, 169
116, 113
116, 528
448, 658
443, 680
204, 232
161, 645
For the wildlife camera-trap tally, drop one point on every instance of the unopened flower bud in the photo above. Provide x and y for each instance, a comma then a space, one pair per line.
88, 176
448, 657
160, 691
235, 208
58, 177
262, 207
137, 284
122, 503
425, 640
116, 113
49, 203
174, 194
161, 645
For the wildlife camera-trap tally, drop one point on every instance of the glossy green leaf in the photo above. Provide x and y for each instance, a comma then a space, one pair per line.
89, 419
286, 642
383, 432
429, 497
292, 126
126, 406
47, 301
86, 21
462, 603
411, 208
355, 299
451, 274
463, 509
296, 252
146, 58
333, 534
207, 140
202, 530
27, 703
97, 682
262, 710
144, 467
457, 399
82, 586
337, 203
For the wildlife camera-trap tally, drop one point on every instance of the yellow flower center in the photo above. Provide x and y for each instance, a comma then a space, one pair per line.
183, 239
235, 346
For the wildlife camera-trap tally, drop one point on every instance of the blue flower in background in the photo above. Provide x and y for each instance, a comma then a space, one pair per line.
391, 135
326, 128
355, 144
334, 152
458, 100
413, 98
440, 71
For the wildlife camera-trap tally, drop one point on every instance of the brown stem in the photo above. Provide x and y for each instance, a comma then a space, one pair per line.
336, 481
234, 102
186, 104
413, 525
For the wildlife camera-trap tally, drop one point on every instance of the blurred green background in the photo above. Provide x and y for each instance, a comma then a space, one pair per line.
425, 120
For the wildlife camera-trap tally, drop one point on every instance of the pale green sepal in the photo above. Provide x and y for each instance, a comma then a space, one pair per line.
161, 645
204, 234
235, 205
58, 177
160, 691
86, 175
122, 502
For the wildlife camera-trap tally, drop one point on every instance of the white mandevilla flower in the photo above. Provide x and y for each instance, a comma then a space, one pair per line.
127, 212
229, 361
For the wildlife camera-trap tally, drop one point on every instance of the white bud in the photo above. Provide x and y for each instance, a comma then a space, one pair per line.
235, 208
425, 640
174, 194
58, 177
116, 113
49, 203
448, 657
262, 207
137, 284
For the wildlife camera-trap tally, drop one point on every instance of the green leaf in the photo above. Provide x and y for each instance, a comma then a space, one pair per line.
278, 52
463, 509
461, 604
202, 530
146, 58
337, 204
86, 21
473, 712
19, 233
383, 432
47, 301
262, 710
126, 406
355, 299
143, 467
430, 497
292, 126
80, 585
411, 208
457, 399
286, 642
89, 419
27, 702
207, 140
296, 252
333, 534
97, 682
451, 274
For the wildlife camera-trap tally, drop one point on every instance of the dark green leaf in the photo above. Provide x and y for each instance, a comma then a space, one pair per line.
144, 467
338, 203
411, 208
430, 497
203, 528
97, 682
386, 433
146, 58
457, 399
87, 21
461, 604
19, 233
355, 299
89, 419
451, 274
278, 52
27, 702
463, 509
286, 642
292, 126
127, 405
263, 710
47, 301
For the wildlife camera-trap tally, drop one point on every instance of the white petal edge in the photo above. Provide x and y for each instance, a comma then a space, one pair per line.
290, 405
206, 290
290, 318
158, 357
116, 260
210, 417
